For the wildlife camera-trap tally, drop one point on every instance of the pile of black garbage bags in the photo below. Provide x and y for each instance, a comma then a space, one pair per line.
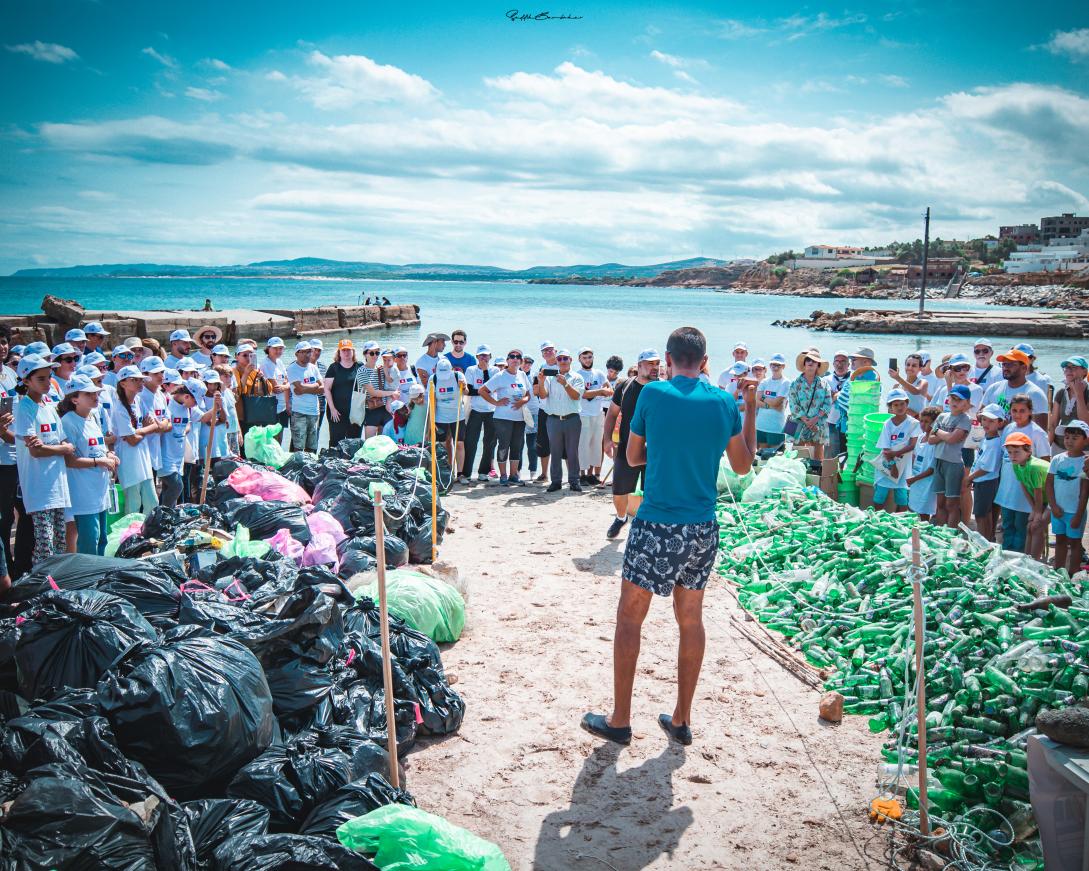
175, 711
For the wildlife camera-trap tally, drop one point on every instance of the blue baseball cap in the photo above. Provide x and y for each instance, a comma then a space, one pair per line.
41, 349
738, 368
649, 354
210, 376
958, 360
777, 358
304, 345
1025, 348
221, 350
94, 328
188, 364
151, 365
131, 372
480, 349
80, 384
119, 350
758, 363
960, 390
196, 389
1076, 360
17, 350
172, 376
76, 335
63, 348
92, 372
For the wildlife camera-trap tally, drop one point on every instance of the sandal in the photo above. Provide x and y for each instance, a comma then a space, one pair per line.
598, 724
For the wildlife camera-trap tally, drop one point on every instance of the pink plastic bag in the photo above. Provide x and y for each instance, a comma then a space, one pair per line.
134, 529
282, 542
321, 551
268, 485
323, 521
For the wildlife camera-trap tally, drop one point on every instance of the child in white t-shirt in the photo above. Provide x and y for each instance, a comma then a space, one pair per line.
1067, 493
987, 469
898, 439
921, 496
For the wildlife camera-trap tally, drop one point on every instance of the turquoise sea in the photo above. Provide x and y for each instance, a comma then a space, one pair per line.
613, 320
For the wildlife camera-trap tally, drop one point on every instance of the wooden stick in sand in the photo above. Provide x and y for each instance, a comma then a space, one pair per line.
920, 676
208, 451
387, 667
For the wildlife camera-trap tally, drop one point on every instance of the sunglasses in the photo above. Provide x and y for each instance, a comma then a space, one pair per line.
514, 356
123, 356
564, 359
401, 356
981, 351
459, 341
960, 368
67, 359
373, 353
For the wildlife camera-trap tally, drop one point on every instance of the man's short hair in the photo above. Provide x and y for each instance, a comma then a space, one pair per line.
615, 363
457, 333
5, 333
687, 346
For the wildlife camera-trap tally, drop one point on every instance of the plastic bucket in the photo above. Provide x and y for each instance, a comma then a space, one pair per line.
848, 495
866, 387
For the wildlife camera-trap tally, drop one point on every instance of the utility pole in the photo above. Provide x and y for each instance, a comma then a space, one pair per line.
926, 252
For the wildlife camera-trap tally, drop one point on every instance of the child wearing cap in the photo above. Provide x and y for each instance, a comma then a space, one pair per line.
898, 438
213, 408
921, 497
90, 466
948, 435
153, 399
397, 425
1031, 473
40, 449
1067, 492
133, 425
986, 470
179, 410
1011, 498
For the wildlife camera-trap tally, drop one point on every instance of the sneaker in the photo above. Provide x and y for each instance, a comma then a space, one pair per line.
592, 479
503, 481
554, 488
541, 478
615, 527
584, 478
493, 474
463, 480
575, 488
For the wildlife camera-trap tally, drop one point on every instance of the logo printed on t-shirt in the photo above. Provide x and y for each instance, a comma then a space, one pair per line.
93, 442
47, 427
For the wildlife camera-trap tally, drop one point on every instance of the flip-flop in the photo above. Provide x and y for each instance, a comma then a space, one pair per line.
598, 724
681, 734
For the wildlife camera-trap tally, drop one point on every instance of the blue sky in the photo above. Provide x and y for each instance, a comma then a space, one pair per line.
231, 132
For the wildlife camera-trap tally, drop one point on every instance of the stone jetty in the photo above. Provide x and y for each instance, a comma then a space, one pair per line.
60, 315
1051, 324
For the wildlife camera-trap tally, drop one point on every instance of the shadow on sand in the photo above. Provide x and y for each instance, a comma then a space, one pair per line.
619, 819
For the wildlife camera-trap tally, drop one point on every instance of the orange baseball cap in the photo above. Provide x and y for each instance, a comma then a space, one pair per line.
1018, 438
1014, 356
345, 345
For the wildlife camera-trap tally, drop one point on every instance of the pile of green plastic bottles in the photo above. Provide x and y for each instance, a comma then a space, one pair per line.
834, 581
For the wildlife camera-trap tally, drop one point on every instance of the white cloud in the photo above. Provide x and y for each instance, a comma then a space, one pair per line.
894, 81
1072, 43
49, 52
275, 76
732, 28
165, 59
216, 64
348, 80
208, 95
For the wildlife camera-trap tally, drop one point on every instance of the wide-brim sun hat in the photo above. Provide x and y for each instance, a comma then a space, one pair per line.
209, 328
812, 354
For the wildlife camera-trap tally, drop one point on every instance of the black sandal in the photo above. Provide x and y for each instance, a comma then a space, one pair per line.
598, 724
681, 734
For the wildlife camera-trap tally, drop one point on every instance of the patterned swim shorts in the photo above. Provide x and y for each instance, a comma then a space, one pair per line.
660, 556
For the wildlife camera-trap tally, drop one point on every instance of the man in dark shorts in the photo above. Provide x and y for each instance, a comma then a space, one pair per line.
626, 479
544, 448
679, 432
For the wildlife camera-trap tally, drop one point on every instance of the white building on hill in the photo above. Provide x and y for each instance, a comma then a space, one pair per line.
1059, 255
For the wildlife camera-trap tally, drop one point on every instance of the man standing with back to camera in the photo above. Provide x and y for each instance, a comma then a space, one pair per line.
679, 432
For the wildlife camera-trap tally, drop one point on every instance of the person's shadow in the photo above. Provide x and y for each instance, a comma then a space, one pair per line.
623, 820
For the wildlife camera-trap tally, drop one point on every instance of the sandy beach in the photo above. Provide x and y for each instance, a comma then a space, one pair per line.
765, 784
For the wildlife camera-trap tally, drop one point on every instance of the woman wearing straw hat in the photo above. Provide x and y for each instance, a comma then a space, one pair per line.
810, 402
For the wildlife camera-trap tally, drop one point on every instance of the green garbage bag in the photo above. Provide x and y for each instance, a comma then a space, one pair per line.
243, 546
729, 483
113, 540
426, 604
263, 446
376, 449
383, 487
781, 472
403, 838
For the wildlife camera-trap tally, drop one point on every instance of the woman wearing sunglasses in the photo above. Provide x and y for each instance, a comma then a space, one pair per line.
374, 379
122, 356
508, 391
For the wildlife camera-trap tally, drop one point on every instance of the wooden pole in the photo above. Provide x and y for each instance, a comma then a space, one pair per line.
434, 477
920, 675
208, 452
387, 662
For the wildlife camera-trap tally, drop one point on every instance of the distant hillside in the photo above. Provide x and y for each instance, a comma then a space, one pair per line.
316, 266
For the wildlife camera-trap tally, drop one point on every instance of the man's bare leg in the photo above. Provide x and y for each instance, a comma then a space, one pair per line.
688, 609
630, 614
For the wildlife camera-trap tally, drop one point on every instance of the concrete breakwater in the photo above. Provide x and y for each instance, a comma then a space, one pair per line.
947, 323
60, 315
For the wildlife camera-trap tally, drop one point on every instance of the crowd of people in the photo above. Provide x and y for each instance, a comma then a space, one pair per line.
977, 435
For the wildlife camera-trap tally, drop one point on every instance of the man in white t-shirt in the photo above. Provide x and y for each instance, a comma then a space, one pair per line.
741, 353
273, 368
449, 387
595, 396
435, 343
1015, 369
306, 385
181, 345
481, 419
985, 373
771, 397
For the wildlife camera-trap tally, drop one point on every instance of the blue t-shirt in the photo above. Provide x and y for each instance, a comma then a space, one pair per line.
462, 363
687, 424
87, 488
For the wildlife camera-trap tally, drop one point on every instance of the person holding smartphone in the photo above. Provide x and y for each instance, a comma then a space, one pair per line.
561, 396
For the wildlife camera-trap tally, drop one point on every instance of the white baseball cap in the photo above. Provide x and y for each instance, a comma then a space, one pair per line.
738, 368
210, 376
371, 346
76, 335
92, 359
586, 349
80, 384
222, 351
94, 328
172, 376
484, 349
995, 412
63, 348
740, 346
897, 395
188, 364
92, 372
777, 359
130, 372
151, 365
181, 336
986, 343
416, 390
649, 354
302, 346
443, 365
32, 363
274, 342
1080, 425
316, 345
545, 345
396, 405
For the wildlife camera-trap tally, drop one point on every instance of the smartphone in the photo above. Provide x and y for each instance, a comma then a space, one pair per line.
893, 365
549, 371
7, 403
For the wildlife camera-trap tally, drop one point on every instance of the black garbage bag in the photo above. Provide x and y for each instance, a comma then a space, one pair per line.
165, 523
290, 779
9, 679
354, 557
350, 801
295, 645
136, 546
396, 550
193, 709
263, 519
214, 821
418, 538
70, 639
67, 818
272, 575
153, 590
306, 470
346, 448
214, 612
353, 495
322, 578
221, 495
222, 468
364, 618
286, 852
68, 571
441, 708
56, 731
